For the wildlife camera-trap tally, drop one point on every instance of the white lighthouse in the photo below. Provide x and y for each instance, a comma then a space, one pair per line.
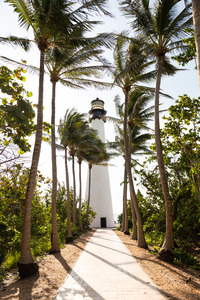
100, 197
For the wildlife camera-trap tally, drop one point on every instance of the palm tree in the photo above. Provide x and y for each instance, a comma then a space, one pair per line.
118, 147
71, 67
138, 116
163, 29
71, 129
80, 159
43, 18
130, 66
125, 228
86, 143
48, 19
75, 142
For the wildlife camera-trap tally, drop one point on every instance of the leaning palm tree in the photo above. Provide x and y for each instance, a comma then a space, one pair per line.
163, 27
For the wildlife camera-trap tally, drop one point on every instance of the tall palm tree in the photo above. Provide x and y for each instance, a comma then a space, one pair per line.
131, 66
71, 67
125, 227
162, 25
42, 17
48, 19
139, 114
118, 147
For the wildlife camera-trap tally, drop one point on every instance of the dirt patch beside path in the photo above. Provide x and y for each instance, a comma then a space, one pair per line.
176, 282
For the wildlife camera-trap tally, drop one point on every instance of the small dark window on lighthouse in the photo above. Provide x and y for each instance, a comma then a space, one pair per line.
103, 222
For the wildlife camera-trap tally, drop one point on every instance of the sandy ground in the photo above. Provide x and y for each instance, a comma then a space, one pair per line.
176, 282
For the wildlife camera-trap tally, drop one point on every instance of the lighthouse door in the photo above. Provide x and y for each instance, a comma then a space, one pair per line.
103, 222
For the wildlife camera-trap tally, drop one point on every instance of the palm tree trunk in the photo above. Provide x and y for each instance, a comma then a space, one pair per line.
122, 229
124, 199
74, 191
196, 22
126, 229
141, 239
69, 230
26, 265
166, 252
80, 199
134, 221
54, 232
88, 202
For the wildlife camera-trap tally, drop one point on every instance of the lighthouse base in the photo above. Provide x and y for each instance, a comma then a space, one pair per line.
103, 222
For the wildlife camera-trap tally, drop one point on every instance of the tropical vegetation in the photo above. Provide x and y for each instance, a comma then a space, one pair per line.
161, 163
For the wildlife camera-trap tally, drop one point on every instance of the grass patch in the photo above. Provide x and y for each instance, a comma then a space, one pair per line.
9, 262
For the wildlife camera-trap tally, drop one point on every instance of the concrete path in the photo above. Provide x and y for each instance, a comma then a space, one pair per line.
107, 270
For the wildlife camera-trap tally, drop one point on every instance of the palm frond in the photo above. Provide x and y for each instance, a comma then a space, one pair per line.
25, 12
16, 41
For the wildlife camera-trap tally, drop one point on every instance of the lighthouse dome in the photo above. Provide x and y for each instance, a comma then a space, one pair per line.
97, 110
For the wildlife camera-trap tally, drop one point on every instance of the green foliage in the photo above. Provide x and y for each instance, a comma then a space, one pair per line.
10, 262
180, 140
62, 214
91, 214
155, 238
13, 184
16, 112
129, 213
189, 52
184, 257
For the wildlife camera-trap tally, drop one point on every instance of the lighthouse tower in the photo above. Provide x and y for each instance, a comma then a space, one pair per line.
100, 197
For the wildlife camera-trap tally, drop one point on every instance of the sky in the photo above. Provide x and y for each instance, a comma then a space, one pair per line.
184, 82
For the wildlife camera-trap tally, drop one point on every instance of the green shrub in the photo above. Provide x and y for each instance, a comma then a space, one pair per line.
185, 258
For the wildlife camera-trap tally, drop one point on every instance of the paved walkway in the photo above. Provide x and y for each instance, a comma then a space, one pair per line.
107, 270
